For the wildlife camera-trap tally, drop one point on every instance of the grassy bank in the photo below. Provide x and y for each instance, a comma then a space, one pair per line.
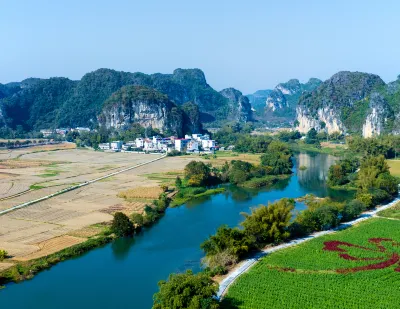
184, 195
337, 151
393, 212
26, 270
269, 180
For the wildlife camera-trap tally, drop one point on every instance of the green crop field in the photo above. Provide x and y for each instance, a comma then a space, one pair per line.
392, 212
355, 268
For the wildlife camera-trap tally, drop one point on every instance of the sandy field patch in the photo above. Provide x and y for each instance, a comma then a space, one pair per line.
141, 192
5, 265
74, 212
51, 246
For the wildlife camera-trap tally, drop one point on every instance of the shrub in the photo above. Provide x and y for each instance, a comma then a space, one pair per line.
365, 198
320, 218
178, 182
352, 210
226, 242
269, 223
187, 290
137, 220
3, 254
121, 225
174, 153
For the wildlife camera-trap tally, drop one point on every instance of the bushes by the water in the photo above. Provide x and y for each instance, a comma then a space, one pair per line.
266, 224
187, 290
121, 225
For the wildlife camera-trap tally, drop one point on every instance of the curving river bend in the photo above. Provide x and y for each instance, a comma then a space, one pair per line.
124, 274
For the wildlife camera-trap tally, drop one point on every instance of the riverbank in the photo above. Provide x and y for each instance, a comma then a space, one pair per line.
245, 265
174, 240
337, 150
25, 270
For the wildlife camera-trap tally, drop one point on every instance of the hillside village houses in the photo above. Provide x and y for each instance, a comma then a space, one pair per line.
194, 143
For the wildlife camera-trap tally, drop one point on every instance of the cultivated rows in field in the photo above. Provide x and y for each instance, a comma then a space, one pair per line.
10, 188
311, 275
141, 192
53, 245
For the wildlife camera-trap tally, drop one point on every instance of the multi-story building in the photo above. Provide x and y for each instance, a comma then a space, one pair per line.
192, 146
181, 144
139, 142
116, 145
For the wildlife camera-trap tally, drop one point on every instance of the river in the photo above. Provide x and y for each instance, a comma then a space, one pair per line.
124, 274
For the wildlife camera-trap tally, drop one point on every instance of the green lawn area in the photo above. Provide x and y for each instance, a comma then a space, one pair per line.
394, 167
393, 212
307, 276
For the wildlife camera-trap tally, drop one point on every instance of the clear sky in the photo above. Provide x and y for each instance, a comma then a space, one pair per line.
247, 44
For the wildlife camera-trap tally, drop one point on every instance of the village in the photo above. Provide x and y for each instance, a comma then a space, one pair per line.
195, 143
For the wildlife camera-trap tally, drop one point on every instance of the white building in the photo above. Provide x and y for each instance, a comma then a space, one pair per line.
181, 144
192, 146
208, 144
116, 145
139, 142
149, 145
105, 146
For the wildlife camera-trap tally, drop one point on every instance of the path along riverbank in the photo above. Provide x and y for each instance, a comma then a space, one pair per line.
245, 265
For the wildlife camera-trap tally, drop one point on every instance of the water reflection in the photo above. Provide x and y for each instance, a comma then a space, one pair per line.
121, 247
316, 173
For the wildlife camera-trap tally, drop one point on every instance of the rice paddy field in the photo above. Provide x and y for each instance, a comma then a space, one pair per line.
355, 268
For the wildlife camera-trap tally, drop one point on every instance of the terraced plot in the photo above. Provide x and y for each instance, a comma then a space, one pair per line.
354, 268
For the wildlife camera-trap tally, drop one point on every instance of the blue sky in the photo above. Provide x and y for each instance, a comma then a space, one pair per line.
248, 45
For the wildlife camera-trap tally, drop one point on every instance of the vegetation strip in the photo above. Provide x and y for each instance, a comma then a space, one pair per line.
77, 186
248, 263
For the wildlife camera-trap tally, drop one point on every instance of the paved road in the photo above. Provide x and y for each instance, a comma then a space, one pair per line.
248, 263
2, 212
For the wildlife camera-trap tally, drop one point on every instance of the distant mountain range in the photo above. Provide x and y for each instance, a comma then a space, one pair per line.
59, 102
181, 102
279, 104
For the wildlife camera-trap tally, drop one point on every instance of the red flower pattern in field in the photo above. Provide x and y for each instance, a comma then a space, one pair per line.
388, 259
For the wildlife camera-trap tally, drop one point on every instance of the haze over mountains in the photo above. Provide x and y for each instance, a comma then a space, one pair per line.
348, 102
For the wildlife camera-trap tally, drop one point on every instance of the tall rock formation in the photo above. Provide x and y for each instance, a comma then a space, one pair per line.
340, 104
239, 106
147, 107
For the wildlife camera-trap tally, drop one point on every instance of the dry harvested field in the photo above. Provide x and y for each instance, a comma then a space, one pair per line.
29, 232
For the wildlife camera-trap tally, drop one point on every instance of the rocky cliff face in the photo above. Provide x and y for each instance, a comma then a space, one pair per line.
239, 106
339, 104
279, 104
276, 100
149, 108
378, 114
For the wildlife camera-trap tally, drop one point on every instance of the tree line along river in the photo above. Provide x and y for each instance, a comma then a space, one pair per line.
124, 274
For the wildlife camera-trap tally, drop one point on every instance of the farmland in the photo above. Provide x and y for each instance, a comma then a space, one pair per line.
355, 268
30, 173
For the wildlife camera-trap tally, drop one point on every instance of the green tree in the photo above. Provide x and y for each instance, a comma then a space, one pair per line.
121, 225
186, 291
197, 173
178, 182
269, 223
278, 158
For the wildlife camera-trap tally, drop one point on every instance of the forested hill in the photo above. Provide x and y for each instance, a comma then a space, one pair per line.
59, 102
351, 102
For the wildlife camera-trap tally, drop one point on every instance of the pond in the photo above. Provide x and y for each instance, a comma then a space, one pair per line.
124, 274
